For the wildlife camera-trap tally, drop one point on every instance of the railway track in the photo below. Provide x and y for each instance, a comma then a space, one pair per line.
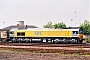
47, 45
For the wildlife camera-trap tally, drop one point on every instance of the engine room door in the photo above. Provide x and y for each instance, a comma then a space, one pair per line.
67, 33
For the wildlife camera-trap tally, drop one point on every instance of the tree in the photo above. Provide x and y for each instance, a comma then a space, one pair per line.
86, 27
48, 25
60, 25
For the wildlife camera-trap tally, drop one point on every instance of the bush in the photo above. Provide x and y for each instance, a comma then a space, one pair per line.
87, 38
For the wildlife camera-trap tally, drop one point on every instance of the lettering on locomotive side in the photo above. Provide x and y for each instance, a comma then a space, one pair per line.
38, 33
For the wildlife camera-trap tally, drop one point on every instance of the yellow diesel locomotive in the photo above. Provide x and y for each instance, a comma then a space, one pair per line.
48, 35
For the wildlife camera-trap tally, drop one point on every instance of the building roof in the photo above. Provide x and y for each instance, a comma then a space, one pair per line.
19, 27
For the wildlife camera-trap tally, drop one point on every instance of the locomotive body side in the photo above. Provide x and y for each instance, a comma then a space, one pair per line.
43, 33
54, 35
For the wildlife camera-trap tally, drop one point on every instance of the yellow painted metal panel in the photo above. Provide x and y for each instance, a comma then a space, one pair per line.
57, 33
66, 33
46, 33
37, 33
15, 33
20, 30
70, 33
29, 33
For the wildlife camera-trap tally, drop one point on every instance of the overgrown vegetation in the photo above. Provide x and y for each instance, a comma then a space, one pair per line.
86, 30
60, 25
86, 27
48, 25
57, 25
87, 38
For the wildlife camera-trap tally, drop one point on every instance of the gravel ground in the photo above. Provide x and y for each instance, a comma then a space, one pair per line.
4, 55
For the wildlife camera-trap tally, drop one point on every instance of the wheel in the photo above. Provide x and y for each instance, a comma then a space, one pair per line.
12, 41
80, 41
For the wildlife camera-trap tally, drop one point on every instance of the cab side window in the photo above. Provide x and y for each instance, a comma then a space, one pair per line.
80, 30
11, 32
23, 34
20, 33
75, 32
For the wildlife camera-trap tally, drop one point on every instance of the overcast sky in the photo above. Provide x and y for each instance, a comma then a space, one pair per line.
39, 12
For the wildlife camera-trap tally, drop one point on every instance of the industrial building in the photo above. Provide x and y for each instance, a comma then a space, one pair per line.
4, 32
19, 25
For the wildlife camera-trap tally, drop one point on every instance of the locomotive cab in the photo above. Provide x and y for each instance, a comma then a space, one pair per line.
11, 33
81, 31
81, 35
78, 35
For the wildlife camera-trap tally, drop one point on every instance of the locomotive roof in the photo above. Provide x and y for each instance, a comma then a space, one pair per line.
14, 29
46, 29
72, 28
